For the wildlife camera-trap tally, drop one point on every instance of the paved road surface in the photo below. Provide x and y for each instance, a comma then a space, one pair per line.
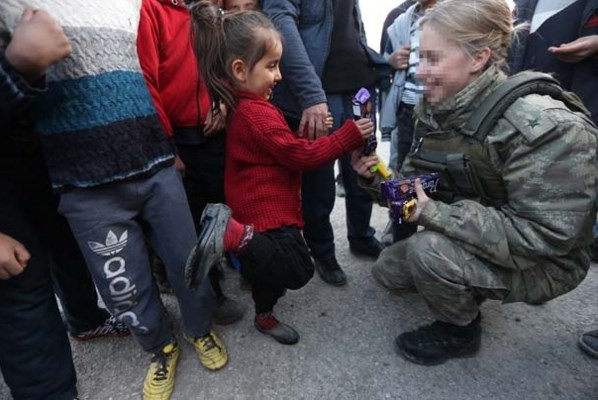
347, 351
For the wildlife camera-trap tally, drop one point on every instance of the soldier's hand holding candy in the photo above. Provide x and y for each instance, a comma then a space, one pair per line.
363, 164
422, 201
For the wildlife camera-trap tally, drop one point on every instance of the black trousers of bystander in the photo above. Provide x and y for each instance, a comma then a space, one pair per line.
35, 355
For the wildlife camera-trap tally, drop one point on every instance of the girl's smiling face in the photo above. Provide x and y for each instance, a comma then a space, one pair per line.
265, 74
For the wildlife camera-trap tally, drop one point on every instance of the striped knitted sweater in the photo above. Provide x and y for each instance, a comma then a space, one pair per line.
97, 121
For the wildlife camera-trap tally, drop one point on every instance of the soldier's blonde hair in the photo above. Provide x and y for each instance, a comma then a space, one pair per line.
474, 25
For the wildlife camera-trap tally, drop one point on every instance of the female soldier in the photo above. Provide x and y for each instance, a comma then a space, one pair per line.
513, 213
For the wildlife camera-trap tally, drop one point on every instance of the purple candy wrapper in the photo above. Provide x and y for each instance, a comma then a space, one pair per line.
362, 108
401, 210
399, 193
370, 145
405, 188
362, 96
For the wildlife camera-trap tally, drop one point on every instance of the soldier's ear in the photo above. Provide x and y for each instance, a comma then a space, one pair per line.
480, 59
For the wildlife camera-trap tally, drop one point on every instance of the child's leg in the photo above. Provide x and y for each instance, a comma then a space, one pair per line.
273, 261
204, 183
265, 295
172, 234
103, 220
280, 256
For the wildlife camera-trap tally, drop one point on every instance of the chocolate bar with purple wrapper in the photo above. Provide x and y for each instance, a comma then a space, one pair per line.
400, 195
370, 145
405, 188
362, 108
402, 210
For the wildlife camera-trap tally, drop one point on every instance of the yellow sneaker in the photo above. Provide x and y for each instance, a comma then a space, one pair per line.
210, 349
159, 381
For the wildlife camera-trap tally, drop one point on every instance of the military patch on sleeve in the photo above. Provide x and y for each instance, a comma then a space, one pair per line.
530, 118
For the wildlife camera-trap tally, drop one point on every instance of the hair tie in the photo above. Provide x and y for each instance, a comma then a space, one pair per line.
220, 16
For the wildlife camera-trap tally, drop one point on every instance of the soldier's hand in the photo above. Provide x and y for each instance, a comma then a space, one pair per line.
399, 59
313, 122
362, 164
366, 127
422, 201
38, 42
13, 257
577, 50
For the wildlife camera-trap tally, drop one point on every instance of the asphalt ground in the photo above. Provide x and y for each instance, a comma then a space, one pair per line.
347, 347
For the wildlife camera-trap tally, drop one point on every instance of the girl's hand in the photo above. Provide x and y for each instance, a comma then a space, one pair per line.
366, 126
329, 121
362, 164
422, 201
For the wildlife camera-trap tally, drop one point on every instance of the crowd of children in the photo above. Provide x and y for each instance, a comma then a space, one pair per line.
158, 132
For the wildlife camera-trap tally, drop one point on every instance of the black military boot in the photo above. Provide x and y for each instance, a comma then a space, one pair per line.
440, 341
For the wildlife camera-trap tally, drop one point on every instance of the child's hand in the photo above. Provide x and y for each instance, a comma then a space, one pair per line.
38, 42
366, 126
329, 121
362, 164
13, 257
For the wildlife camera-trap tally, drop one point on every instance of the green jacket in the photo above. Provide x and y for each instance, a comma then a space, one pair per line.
541, 158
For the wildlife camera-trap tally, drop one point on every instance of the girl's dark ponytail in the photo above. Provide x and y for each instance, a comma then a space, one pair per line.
209, 44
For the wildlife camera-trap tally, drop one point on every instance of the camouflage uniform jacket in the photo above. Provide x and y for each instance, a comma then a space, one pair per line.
546, 157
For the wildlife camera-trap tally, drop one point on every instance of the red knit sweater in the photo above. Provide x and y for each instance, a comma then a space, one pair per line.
169, 65
264, 160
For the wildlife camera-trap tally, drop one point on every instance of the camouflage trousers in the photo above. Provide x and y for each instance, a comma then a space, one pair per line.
447, 276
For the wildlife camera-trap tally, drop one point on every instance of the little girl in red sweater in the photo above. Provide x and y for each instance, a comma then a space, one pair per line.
264, 161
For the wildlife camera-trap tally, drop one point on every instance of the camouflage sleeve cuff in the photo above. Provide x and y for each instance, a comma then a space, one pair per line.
435, 216
372, 187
